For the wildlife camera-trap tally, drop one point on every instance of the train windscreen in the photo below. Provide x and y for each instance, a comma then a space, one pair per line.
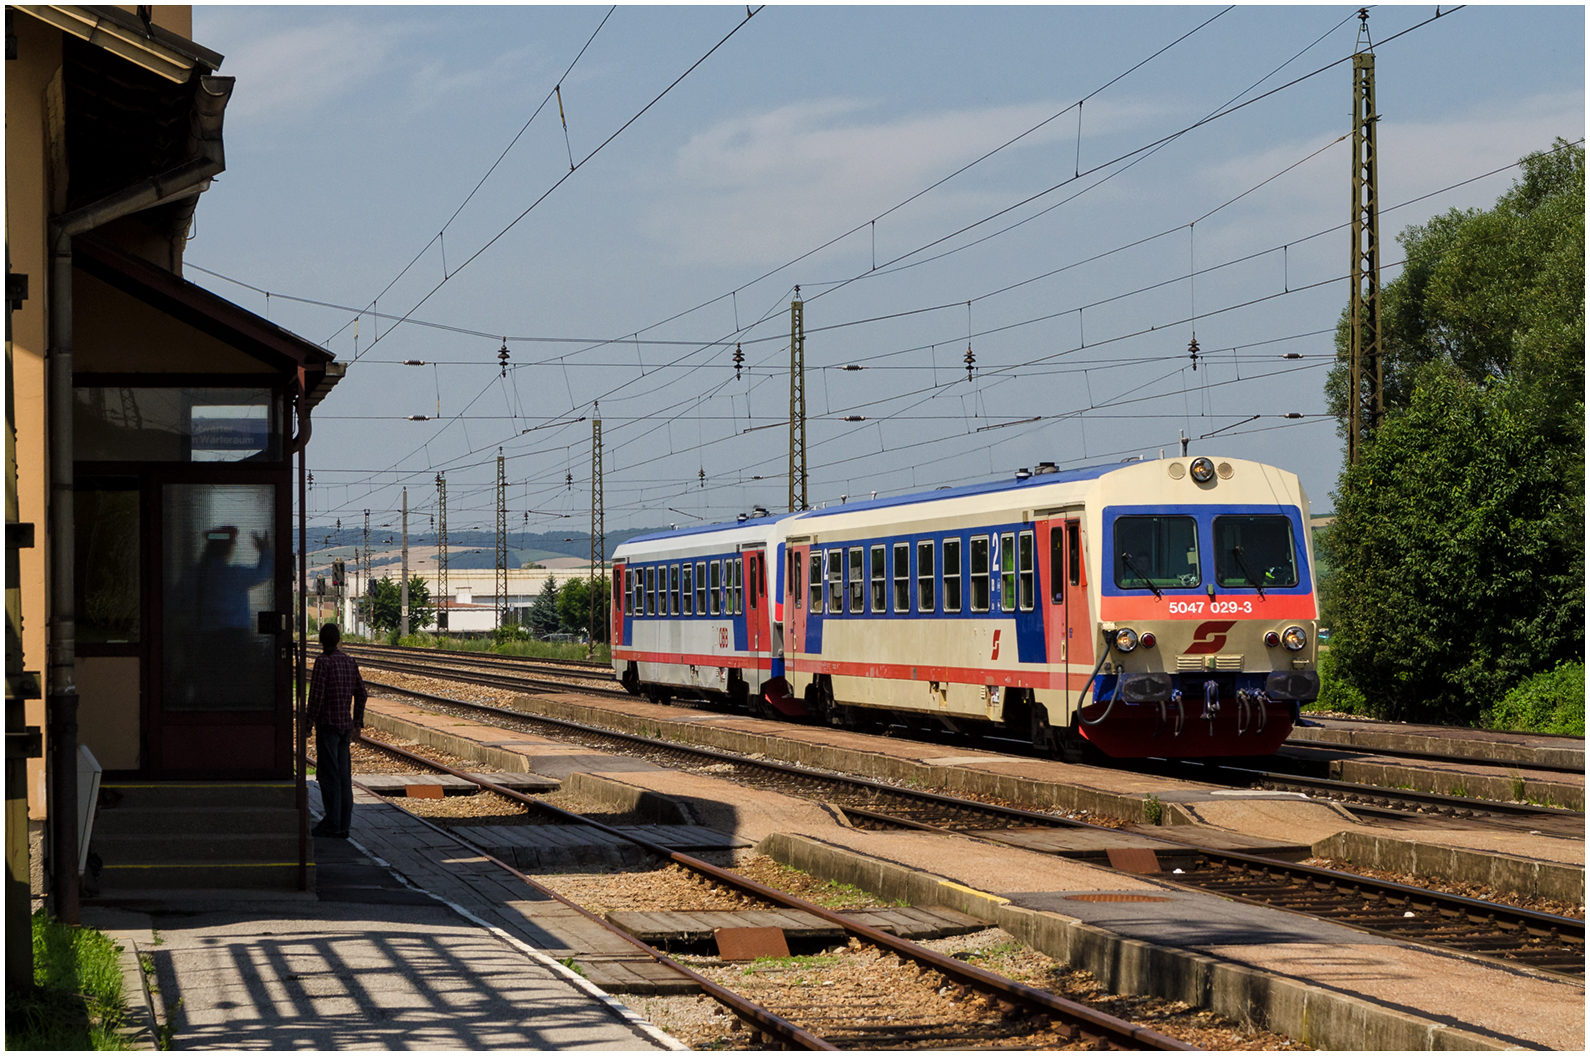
1159, 551
1255, 551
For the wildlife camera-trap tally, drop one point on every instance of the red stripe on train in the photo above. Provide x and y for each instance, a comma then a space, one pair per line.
1230, 606
1032, 679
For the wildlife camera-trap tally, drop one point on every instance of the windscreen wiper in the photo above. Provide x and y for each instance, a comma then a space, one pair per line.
1126, 559
1236, 552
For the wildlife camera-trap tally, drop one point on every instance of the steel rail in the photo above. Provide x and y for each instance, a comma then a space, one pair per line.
748, 1010
1456, 903
1090, 1023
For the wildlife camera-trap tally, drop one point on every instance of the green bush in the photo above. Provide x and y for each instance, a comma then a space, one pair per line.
77, 1000
1550, 702
1335, 694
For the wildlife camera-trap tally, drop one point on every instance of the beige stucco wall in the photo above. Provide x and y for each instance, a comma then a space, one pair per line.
38, 57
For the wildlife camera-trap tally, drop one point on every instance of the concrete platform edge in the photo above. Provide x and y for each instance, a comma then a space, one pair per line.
1496, 753
1308, 1014
1030, 793
619, 1010
140, 1029
1521, 876
1448, 783
463, 747
656, 807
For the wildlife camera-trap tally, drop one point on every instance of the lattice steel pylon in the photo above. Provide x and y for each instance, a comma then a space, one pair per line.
442, 593
502, 541
598, 536
1365, 370
797, 403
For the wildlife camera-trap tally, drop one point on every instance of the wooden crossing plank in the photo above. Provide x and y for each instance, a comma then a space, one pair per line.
698, 926
636, 977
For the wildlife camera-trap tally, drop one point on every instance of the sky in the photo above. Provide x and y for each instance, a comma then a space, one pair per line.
1071, 193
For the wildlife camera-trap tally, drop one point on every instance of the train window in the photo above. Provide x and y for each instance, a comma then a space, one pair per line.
638, 606
924, 577
796, 593
814, 586
629, 590
1007, 572
735, 568
836, 585
1026, 590
853, 580
902, 577
1255, 552
979, 573
701, 588
712, 590
1073, 554
880, 586
952, 575
674, 607
1154, 552
686, 590
651, 590
1057, 565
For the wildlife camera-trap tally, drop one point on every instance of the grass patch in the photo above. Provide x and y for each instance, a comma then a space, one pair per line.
513, 647
77, 1000
1335, 695
780, 964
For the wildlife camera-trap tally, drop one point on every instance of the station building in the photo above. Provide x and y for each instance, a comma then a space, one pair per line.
150, 516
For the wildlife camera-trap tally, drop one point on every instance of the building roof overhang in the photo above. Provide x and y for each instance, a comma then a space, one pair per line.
123, 33
281, 350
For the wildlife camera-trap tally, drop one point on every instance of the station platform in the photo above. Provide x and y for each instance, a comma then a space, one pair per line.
372, 961
1419, 998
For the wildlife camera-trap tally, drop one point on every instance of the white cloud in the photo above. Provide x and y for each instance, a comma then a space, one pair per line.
753, 188
288, 70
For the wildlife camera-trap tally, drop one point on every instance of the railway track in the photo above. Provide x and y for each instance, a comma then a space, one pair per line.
1506, 933
996, 1012
499, 673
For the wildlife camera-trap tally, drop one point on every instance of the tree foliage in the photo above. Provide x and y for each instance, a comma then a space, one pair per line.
1457, 553
384, 606
574, 608
543, 617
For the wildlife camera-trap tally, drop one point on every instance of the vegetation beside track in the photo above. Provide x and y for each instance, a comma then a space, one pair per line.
502, 644
77, 1001
1550, 702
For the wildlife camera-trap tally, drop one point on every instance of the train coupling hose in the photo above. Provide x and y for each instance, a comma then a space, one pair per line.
1211, 703
1181, 712
1109, 644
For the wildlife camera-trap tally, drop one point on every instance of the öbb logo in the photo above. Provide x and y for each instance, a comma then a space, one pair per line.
1210, 637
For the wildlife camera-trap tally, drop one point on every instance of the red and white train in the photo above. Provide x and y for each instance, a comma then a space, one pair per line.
1162, 608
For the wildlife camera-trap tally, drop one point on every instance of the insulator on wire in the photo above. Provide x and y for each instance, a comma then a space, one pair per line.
502, 357
701, 476
1192, 353
971, 362
568, 481
739, 360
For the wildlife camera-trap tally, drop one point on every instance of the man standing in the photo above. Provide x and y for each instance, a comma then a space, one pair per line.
336, 710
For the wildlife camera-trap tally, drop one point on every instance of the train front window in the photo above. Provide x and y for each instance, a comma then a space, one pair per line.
1255, 551
1155, 552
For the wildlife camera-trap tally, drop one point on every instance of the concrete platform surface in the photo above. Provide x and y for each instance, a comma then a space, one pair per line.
1188, 918
338, 976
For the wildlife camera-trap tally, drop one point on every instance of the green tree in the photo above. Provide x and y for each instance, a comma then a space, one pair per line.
385, 604
1457, 557
574, 608
543, 615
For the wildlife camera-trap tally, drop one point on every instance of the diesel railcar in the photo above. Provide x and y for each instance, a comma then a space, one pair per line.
1160, 608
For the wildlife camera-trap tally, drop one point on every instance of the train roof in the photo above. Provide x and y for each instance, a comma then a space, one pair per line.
985, 487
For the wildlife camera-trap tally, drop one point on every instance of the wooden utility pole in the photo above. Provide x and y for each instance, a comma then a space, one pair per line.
1365, 380
797, 403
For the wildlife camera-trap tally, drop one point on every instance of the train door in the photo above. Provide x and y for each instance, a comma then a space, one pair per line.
757, 634
1068, 628
795, 600
616, 616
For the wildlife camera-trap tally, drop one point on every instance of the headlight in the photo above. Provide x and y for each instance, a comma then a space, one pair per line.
1125, 640
1294, 638
1203, 470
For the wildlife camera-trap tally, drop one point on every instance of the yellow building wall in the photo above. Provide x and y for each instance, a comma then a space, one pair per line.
38, 57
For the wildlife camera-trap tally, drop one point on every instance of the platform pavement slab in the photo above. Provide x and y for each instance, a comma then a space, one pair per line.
373, 963
1189, 918
1524, 1010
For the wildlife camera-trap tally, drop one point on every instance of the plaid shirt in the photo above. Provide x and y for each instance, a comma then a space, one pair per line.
333, 687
